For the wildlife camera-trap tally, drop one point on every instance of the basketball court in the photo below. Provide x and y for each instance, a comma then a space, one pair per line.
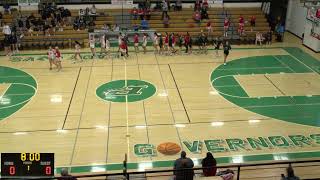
263, 105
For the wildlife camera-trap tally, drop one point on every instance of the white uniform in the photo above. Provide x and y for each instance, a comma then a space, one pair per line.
51, 55
92, 43
120, 40
156, 40
103, 42
107, 45
77, 48
144, 41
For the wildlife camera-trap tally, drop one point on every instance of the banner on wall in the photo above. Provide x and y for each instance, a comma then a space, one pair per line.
217, 1
214, 1
28, 2
120, 2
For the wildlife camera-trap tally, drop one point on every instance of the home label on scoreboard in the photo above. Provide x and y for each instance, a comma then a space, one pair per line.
27, 165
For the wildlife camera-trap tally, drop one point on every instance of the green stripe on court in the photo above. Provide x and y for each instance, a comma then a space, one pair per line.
293, 64
305, 58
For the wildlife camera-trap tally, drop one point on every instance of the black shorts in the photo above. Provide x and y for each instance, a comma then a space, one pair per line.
217, 48
226, 53
253, 23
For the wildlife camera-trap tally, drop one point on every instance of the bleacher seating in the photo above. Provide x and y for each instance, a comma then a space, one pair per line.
180, 22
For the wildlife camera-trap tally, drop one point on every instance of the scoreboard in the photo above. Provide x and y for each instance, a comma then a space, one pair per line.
27, 165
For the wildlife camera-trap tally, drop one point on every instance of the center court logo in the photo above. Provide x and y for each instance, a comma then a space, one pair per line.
125, 91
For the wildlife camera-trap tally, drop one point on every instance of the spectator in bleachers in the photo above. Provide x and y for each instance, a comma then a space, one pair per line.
81, 12
259, 38
169, 4
1, 16
269, 36
115, 28
64, 15
209, 164
290, 174
91, 24
65, 175
105, 27
32, 19
30, 31
141, 13
158, 6
76, 24
209, 28
226, 25
205, 4
148, 13
241, 25
164, 9
197, 17
135, 26
87, 11
253, 22
144, 24
7, 8
197, 5
6, 30
204, 13
147, 4
134, 13
165, 21
183, 163
280, 32
40, 8
93, 10
178, 5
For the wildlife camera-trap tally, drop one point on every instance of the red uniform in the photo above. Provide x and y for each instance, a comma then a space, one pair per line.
318, 13
253, 19
166, 40
134, 12
57, 53
241, 20
136, 39
187, 40
140, 12
123, 46
226, 23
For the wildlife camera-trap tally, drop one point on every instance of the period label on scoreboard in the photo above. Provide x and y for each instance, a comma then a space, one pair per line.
27, 164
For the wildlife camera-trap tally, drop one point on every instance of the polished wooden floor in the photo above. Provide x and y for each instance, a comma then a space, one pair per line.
65, 116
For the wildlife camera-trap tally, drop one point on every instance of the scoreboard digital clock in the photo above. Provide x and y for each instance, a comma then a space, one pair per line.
27, 164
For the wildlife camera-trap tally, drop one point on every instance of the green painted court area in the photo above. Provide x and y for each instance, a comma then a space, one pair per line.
296, 109
20, 87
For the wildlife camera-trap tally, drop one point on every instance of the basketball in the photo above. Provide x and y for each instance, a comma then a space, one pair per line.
169, 148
